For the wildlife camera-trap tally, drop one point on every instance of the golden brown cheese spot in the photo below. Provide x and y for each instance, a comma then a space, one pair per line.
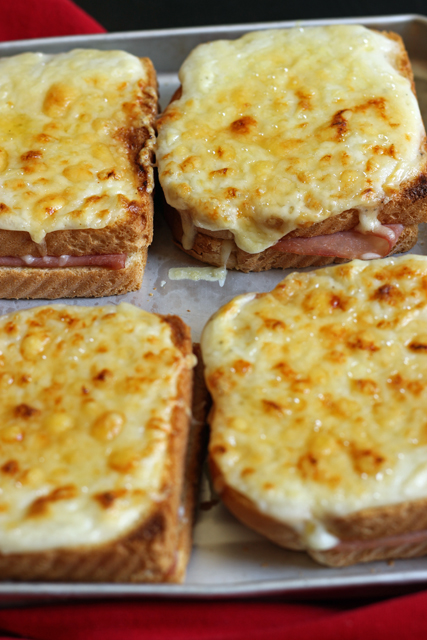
25, 411
388, 293
362, 341
218, 381
336, 356
322, 303
272, 407
10, 327
49, 205
418, 344
58, 98
244, 125
241, 367
192, 163
220, 173
106, 174
285, 370
40, 506
304, 99
311, 468
340, 123
366, 460
231, 193
274, 324
170, 115
218, 450
369, 387
32, 162
400, 385
107, 499
103, 376
11, 467
225, 152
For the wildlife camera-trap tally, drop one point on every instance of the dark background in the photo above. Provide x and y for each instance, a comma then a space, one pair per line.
125, 15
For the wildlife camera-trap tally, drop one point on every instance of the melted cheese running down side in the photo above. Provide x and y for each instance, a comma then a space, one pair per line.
319, 392
64, 156
282, 129
87, 399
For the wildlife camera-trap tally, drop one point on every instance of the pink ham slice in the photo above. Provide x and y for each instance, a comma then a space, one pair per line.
344, 244
413, 537
113, 261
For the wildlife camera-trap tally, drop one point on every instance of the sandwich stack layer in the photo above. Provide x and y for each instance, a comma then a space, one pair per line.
281, 140
76, 149
318, 423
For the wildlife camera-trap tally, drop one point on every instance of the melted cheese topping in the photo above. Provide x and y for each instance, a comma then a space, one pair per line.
282, 129
64, 156
319, 392
87, 400
208, 274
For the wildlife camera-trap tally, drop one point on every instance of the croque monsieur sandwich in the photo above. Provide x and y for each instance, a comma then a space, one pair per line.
318, 427
76, 147
291, 148
95, 413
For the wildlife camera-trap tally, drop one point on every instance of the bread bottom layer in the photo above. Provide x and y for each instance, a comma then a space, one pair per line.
210, 249
382, 533
72, 282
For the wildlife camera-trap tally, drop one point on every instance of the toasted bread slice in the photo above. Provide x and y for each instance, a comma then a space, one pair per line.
317, 428
292, 163
94, 489
72, 282
82, 136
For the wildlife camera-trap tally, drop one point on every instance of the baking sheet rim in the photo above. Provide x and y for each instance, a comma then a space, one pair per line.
25, 591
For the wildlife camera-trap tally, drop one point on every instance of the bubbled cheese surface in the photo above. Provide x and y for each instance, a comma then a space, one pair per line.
87, 400
64, 160
319, 392
282, 129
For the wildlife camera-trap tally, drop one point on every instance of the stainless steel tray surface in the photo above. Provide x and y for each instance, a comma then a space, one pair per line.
228, 559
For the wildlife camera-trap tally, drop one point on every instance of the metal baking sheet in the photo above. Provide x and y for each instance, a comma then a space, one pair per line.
228, 559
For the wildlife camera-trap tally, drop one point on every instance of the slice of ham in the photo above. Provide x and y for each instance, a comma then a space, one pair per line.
345, 244
412, 537
113, 261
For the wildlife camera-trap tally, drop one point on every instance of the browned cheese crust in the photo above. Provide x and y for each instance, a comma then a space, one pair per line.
132, 232
407, 207
157, 549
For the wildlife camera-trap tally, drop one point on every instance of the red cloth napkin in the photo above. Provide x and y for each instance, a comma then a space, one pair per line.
402, 618
394, 619
22, 19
